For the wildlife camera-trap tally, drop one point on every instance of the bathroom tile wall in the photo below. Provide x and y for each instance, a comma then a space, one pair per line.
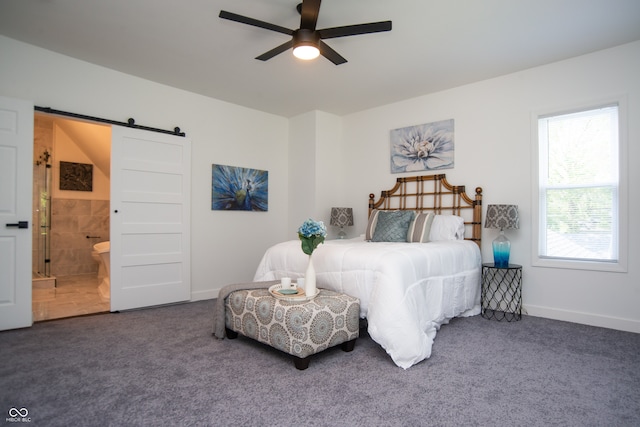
71, 222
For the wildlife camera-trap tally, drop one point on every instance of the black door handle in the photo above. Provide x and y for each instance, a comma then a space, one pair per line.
20, 224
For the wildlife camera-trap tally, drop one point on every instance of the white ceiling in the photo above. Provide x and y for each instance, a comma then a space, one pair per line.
434, 44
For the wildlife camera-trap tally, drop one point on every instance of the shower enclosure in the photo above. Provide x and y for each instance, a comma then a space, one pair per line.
42, 216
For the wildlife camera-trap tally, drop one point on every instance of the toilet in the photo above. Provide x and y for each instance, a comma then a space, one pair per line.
101, 252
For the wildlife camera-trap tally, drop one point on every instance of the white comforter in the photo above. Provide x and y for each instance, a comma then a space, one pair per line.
406, 290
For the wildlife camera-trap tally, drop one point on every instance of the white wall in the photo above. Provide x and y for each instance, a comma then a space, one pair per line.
306, 174
330, 170
493, 148
316, 166
302, 171
225, 246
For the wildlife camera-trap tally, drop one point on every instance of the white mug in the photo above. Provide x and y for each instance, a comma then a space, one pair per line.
285, 283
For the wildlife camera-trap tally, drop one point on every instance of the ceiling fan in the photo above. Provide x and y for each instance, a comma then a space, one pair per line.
306, 41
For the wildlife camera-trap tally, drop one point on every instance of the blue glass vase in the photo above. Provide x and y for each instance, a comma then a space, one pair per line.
501, 250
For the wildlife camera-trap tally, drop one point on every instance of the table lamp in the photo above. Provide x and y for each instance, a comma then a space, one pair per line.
504, 217
341, 217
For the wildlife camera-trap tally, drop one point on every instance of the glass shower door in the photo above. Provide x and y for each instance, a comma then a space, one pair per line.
42, 222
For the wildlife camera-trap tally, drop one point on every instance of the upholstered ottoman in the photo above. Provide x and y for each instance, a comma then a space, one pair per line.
300, 329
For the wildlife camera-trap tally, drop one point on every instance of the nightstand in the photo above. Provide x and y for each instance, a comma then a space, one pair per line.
501, 296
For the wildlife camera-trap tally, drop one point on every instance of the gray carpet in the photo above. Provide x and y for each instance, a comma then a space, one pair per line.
161, 367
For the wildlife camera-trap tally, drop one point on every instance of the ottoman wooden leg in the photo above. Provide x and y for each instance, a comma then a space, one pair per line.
348, 345
301, 363
230, 334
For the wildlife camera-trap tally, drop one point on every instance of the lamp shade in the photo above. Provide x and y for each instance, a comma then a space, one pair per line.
306, 52
341, 217
504, 217
305, 44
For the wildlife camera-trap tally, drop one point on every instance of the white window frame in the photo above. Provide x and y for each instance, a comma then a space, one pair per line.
623, 219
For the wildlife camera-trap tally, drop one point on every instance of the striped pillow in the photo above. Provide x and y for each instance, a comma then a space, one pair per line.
371, 225
420, 228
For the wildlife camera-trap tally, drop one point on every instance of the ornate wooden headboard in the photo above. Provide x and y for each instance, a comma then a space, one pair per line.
434, 193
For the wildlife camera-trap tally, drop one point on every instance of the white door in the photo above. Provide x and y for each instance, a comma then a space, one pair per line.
150, 217
16, 187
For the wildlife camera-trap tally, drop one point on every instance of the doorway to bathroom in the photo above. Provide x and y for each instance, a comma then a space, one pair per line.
71, 192
149, 212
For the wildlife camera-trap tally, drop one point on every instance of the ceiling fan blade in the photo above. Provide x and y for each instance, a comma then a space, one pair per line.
276, 51
309, 14
354, 30
256, 23
331, 54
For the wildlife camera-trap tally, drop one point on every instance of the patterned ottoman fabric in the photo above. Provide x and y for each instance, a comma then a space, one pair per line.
297, 328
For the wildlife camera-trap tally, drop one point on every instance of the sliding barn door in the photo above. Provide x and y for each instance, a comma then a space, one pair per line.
16, 187
150, 215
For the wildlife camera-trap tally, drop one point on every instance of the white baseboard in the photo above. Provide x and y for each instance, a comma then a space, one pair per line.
203, 295
620, 324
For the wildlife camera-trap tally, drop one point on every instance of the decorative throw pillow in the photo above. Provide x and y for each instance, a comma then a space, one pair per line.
420, 228
371, 225
392, 226
447, 227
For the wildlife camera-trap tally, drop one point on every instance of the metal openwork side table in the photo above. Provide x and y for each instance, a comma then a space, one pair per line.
501, 292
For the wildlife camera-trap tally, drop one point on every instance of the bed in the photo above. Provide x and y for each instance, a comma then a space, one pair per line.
408, 284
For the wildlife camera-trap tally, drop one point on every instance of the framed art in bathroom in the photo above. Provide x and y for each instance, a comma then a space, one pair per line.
76, 176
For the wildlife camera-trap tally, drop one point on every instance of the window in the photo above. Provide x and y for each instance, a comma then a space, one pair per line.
579, 189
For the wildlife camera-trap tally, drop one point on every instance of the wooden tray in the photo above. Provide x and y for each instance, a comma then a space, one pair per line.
299, 297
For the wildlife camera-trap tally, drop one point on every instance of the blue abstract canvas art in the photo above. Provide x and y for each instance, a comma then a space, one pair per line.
240, 189
423, 147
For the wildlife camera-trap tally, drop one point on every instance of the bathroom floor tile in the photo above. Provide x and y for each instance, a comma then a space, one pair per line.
73, 296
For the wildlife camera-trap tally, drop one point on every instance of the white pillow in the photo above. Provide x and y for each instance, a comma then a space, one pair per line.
447, 227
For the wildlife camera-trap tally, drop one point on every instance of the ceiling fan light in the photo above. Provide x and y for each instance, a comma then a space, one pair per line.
306, 52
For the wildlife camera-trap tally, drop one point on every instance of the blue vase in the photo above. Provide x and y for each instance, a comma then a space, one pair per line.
501, 250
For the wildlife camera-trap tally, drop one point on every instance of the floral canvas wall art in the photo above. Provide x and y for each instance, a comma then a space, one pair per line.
422, 147
239, 189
